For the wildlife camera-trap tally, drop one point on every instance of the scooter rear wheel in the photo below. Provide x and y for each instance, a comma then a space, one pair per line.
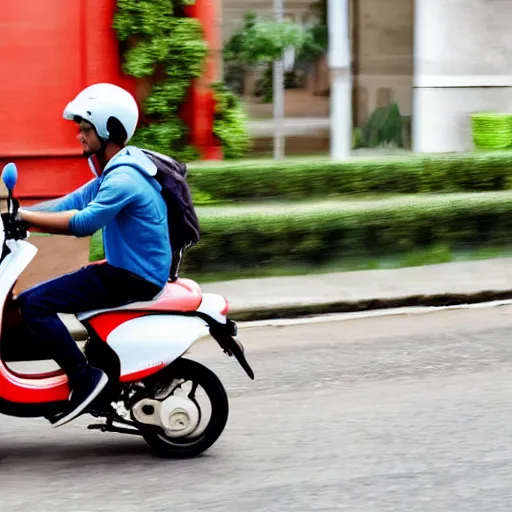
185, 370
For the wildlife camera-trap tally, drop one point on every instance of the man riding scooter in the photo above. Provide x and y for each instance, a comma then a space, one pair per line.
126, 204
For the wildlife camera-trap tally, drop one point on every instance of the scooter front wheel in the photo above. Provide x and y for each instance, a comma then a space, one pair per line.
173, 418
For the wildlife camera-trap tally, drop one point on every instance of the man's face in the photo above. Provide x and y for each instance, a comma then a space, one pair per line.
88, 138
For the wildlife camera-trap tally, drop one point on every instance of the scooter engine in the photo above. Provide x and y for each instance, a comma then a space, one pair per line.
177, 416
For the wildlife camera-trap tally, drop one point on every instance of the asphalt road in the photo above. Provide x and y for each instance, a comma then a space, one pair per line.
403, 414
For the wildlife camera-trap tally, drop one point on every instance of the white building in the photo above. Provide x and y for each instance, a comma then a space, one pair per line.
440, 60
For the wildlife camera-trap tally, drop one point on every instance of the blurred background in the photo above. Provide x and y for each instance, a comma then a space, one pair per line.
320, 135
381, 47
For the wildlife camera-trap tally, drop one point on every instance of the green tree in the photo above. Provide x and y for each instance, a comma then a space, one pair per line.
262, 42
163, 46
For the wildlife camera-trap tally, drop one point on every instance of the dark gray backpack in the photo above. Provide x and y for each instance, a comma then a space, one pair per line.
184, 231
183, 222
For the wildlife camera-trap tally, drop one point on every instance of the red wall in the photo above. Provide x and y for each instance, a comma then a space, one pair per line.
49, 51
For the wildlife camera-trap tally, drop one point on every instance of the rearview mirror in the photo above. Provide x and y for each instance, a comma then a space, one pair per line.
10, 176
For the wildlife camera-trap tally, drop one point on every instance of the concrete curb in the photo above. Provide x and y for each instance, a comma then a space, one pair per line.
302, 310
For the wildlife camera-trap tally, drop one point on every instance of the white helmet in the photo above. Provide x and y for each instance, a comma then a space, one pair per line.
99, 104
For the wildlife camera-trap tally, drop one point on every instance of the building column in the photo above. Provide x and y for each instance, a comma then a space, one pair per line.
462, 65
200, 109
341, 78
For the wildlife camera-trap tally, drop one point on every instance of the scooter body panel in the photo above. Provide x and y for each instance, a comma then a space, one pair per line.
147, 340
148, 343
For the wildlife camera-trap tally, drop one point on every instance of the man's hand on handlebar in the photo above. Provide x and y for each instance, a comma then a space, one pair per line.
14, 228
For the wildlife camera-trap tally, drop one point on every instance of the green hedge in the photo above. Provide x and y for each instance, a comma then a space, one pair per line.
300, 178
249, 238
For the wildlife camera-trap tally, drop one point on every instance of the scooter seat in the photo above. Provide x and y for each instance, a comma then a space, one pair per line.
184, 295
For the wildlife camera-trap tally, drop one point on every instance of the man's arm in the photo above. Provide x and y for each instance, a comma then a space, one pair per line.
76, 200
53, 216
115, 193
55, 223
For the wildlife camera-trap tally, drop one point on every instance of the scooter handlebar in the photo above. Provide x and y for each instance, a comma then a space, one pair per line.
14, 228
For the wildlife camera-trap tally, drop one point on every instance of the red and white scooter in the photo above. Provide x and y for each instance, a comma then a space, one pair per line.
152, 390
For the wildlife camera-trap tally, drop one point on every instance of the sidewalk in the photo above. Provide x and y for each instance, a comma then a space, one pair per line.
431, 285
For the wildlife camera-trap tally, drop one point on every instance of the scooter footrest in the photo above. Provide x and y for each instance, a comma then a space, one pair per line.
103, 427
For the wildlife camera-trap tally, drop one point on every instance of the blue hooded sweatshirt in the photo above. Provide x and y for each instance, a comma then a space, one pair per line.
126, 204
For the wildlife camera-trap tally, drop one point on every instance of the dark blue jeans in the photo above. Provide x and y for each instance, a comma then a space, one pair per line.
92, 287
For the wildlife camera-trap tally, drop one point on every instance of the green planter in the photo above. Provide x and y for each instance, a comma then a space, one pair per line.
492, 130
